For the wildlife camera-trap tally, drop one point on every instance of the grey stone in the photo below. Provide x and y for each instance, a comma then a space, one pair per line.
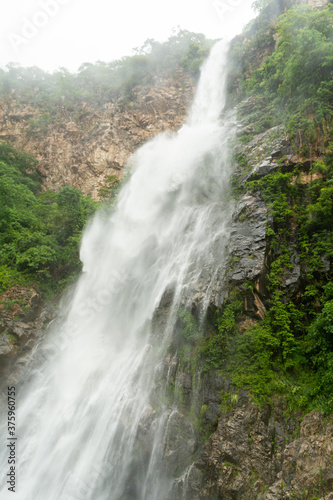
247, 245
6, 347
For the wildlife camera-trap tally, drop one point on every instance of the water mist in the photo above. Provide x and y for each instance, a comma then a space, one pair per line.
92, 380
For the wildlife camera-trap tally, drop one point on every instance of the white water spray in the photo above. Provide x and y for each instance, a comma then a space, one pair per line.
88, 398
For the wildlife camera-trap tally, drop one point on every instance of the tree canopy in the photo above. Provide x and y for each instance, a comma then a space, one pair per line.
40, 232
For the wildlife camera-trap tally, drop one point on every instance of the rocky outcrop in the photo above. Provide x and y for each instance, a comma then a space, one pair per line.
218, 442
253, 452
247, 245
82, 147
23, 314
250, 456
273, 151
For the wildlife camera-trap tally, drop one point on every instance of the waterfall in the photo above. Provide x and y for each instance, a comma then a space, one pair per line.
88, 395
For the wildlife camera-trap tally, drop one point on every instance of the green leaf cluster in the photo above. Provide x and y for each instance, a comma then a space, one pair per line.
187, 325
297, 77
287, 67
290, 351
39, 232
213, 348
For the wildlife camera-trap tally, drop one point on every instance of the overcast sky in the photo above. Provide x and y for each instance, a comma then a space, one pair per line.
66, 33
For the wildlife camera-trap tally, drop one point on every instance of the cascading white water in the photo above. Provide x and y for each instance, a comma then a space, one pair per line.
89, 390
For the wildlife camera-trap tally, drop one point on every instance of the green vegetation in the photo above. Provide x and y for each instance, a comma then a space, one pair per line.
298, 75
284, 74
109, 191
39, 232
110, 188
293, 85
62, 92
187, 325
259, 5
213, 349
289, 352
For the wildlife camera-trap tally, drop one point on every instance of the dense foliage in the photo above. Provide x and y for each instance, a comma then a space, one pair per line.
100, 82
295, 78
283, 74
39, 232
289, 352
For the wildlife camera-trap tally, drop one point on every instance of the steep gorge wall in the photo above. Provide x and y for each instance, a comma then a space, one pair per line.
234, 449
220, 444
228, 446
83, 146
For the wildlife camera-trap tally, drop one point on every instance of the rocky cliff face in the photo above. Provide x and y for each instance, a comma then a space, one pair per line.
234, 448
219, 443
23, 314
85, 146
262, 454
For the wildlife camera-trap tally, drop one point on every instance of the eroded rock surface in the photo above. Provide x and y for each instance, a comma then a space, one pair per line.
23, 313
83, 148
247, 245
263, 454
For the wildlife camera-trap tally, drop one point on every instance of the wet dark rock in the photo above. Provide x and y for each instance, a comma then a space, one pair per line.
167, 298
212, 414
328, 478
247, 245
146, 421
271, 164
292, 278
6, 345
19, 329
264, 168
326, 264
23, 315
180, 441
184, 487
183, 383
170, 368
254, 306
243, 397
248, 456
